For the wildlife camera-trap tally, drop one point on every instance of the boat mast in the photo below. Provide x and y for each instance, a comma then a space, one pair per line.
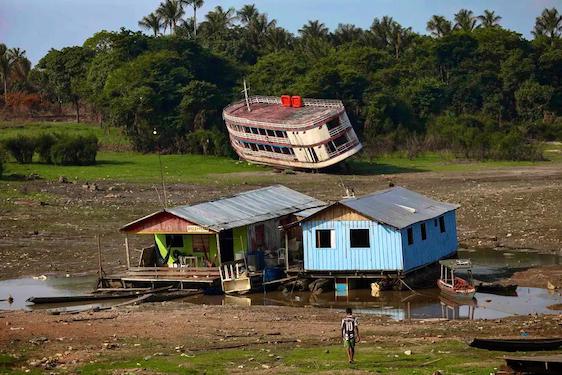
246, 96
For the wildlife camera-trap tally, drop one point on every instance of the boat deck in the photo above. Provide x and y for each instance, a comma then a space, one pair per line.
184, 278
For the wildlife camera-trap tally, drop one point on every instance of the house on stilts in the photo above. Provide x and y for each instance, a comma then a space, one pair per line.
229, 242
386, 235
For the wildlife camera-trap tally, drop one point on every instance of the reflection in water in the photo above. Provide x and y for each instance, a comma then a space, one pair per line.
488, 265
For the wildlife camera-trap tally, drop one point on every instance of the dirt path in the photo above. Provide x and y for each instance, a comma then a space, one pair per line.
50, 227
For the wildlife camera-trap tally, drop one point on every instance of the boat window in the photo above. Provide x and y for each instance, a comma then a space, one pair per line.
333, 123
442, 224
174, 240
281, 133
254, 146
261, 147
423, 231
324, 238
359, 238
410, 236
247, 129
341, 140
268, 148
285, 150
270, 133
331, 147
262, 131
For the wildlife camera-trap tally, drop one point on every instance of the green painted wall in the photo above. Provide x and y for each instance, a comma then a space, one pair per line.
240, 239
187, 249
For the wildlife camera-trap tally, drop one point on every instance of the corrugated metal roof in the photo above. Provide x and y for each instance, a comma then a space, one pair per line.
309, 211
246, 208
398, 207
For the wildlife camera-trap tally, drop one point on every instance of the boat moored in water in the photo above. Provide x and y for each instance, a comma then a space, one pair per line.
291, 132
455, 286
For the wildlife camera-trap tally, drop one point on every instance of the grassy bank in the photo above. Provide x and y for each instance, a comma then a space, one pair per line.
115, 164
450, 357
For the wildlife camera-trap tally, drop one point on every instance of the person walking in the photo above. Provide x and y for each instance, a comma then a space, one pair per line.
350, 333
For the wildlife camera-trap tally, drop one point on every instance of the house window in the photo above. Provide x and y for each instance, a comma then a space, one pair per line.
359, 238
410, 236
174, 240
324, 238
442, 224
423, 232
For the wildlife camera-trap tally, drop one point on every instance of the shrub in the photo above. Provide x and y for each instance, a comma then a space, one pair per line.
44, 145
514, 146
74, 150
21, 148
2, 159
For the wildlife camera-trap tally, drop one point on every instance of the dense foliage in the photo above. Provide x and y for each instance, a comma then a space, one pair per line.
470, 86
54, 148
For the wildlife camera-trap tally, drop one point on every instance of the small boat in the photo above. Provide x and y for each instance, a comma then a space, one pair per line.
515, 345
499, 289
455, 286
543, 365
115, 294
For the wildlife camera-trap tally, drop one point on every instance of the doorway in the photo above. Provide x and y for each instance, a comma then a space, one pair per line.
226, 242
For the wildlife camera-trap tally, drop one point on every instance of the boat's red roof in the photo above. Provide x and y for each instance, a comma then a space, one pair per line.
277, 114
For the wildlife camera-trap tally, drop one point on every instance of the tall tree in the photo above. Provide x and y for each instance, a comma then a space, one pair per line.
6, 62
347, 33
171, 12
439, 26
218, 21
465, 20
195, 4
247, 13
387, 33
152, 22
549, 24
489, 19
21, 64
277, 39
314, 29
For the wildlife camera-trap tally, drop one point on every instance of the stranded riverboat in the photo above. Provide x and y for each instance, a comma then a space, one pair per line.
291, 132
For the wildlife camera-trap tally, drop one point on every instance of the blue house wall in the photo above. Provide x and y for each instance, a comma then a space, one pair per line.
384, 253
437, 245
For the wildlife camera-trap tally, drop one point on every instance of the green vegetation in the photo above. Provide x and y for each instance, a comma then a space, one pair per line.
496, 92
449, 357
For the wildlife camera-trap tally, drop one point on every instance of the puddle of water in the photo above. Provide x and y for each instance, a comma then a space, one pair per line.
404, 305
22, 289
488, 265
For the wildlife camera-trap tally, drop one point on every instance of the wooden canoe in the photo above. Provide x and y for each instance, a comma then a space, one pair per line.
515, 345
498, 289
466, 292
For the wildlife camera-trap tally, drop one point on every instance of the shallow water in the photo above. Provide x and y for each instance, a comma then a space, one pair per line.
488, 265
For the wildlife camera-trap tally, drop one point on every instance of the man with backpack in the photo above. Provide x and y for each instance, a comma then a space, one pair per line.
350, 333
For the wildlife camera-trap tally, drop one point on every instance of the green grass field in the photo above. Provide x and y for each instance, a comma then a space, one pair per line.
450, 357
115, 164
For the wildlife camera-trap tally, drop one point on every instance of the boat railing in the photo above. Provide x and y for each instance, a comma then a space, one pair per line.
340, 128
343, 148
273, 155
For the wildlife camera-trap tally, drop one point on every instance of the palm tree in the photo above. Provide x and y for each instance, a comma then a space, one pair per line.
218, 21
314, 29
195, 4
489, 19
20, 63
247, 13
277, 38
258, 26
347, 33
6, 63
465, 20
549, 23
151, 22
387, 33
439, 26
380, 31
171, 12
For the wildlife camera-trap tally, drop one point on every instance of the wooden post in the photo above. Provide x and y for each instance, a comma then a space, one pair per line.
286, 251
127, 251
100, 270
220, 260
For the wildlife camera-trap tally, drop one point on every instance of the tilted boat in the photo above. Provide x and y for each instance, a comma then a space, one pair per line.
455, 286
291, 132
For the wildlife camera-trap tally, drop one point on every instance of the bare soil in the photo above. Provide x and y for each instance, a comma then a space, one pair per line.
77, 339
50, 227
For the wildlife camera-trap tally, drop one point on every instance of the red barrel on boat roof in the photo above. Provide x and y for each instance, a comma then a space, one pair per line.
286, 100
296, 101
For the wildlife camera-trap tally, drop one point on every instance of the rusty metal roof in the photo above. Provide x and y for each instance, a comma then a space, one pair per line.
398, 207
245, 208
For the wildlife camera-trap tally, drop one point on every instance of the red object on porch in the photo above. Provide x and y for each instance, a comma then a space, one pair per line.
296, 101
285, 100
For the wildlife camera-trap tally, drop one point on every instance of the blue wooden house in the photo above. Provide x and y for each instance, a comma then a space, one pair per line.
395, 231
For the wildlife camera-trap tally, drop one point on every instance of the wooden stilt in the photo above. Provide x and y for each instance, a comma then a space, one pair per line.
286, 251
127, 251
